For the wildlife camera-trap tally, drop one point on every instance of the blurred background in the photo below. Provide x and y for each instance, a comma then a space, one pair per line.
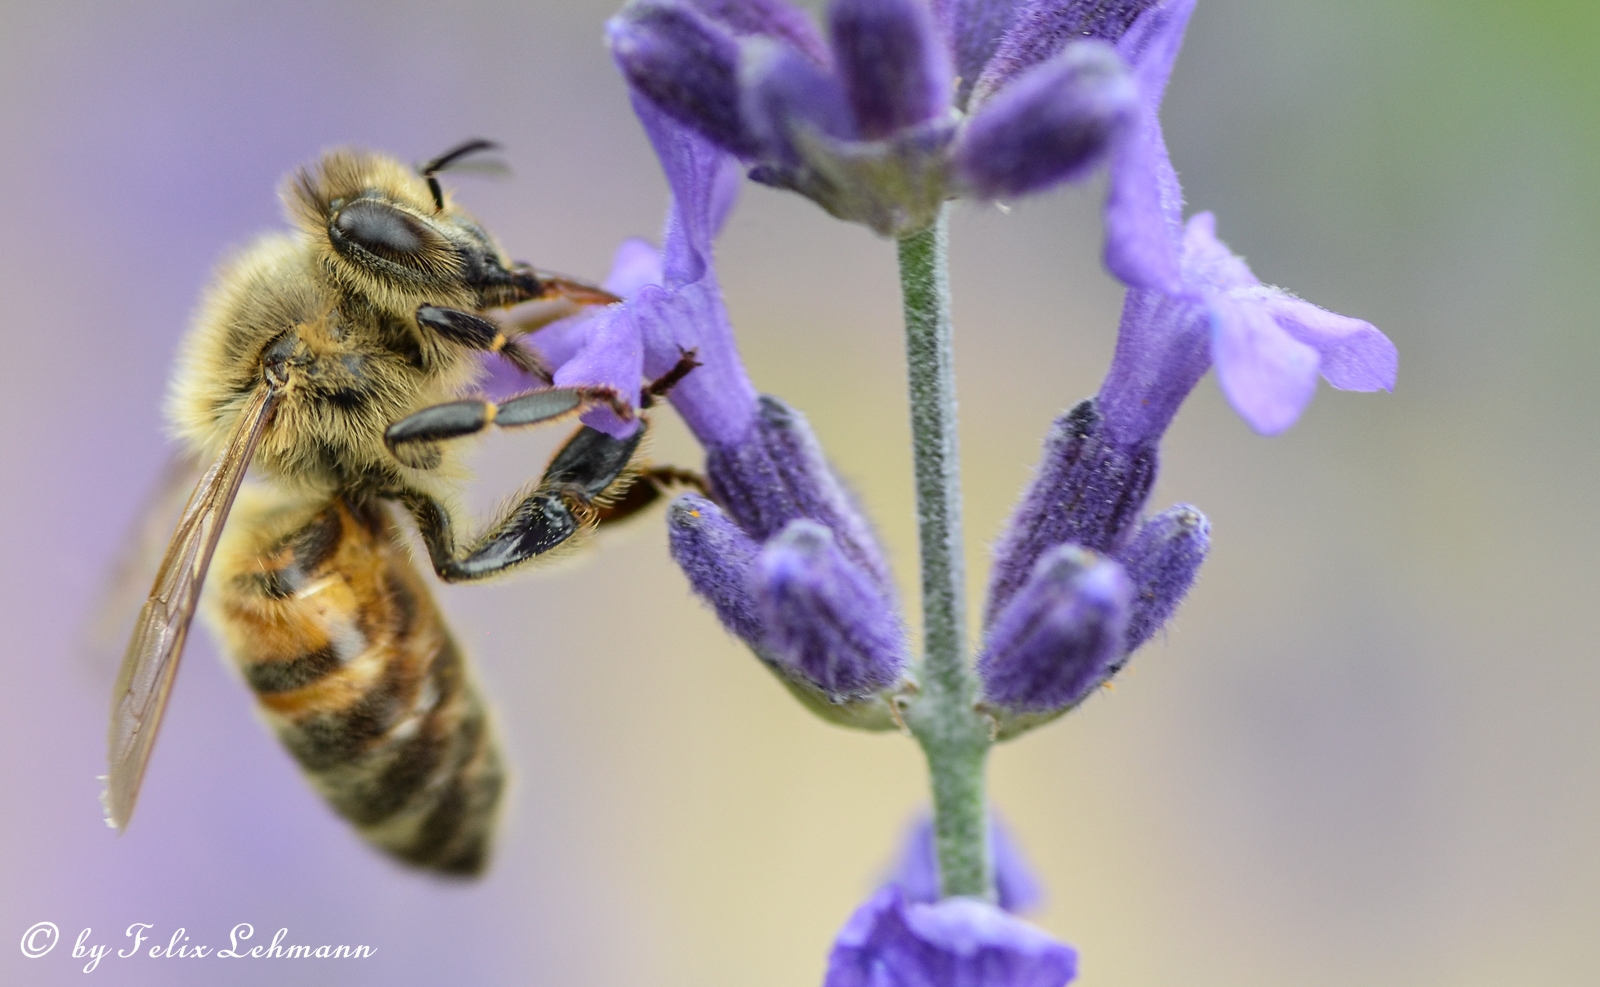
1365, 752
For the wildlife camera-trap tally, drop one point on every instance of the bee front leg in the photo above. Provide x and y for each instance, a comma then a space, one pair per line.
481, 334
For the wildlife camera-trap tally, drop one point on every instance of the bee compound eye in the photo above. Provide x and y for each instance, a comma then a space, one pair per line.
383, 230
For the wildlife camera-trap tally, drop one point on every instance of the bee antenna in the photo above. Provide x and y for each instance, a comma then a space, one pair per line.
430, 169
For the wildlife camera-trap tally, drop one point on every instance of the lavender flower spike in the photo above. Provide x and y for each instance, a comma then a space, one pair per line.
916, 873
958, 942
1059, 636
870, 125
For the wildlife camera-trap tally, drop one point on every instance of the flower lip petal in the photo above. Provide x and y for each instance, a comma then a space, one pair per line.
893, 62
636, 263
1268, 376
1356, 356
1053, 124
612, 356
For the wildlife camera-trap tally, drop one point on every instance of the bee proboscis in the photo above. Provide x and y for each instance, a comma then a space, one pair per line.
331, 360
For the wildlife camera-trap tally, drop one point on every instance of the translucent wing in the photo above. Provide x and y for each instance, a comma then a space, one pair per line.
128, 583
151, 662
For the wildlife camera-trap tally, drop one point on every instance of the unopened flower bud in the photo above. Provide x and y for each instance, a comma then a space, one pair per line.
894, 64
1088, 491
1054, 124
1162, 561
824, 617
1060, 634
686, 64
777, 474
717, 556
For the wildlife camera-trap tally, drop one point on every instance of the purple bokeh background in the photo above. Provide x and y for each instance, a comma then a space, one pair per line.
1364, 753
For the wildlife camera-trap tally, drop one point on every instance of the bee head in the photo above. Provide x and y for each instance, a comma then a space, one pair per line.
391, 233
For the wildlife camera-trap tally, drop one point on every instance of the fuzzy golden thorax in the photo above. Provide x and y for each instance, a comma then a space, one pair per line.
353, 371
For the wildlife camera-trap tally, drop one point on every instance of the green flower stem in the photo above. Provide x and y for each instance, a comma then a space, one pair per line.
953, 736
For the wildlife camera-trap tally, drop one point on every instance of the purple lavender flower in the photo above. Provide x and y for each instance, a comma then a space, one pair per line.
957, 942
1193, 302
781, 553
1268, 346
916, 873
882, 123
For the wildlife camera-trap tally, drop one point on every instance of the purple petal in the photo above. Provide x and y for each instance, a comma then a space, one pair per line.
635, 264
825, 618
1355, 355
958, 942
1208, 264
704, 180
776, 473
1144, 204
1151, 44
1053, 124
1163, 349
1267, 375
1043, 28
783, 89
716, 400
1087, 490
1058, 637
916, 873
974, 28
893, 62
685, 64
612, 356
775, 19
1162, 562
718, 557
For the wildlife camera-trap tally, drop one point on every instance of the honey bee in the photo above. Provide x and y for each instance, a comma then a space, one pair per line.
332, 359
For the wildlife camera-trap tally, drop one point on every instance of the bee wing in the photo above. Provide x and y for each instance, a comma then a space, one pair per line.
125, 588
151, 661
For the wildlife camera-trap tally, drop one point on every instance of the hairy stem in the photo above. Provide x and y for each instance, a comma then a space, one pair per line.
954, 737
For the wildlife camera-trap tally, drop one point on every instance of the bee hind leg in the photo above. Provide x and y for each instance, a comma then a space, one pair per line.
591, 475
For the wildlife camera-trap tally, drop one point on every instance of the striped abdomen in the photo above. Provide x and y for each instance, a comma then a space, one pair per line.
352, 664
